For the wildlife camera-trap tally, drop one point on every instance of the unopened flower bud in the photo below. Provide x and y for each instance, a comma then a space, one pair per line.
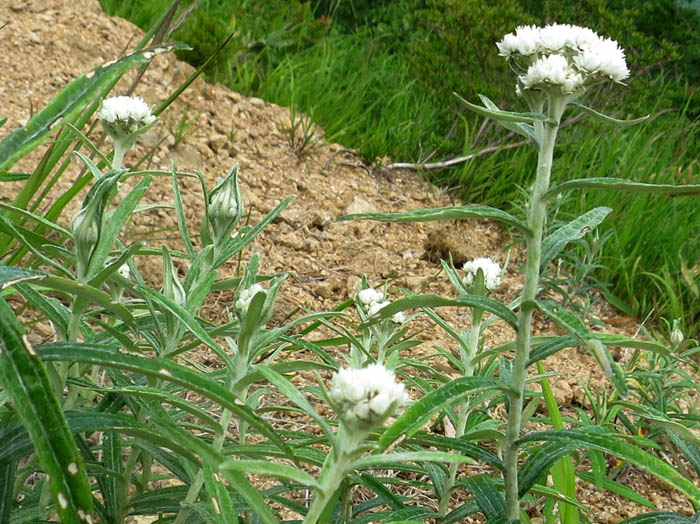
245, 297
225, 206
86, 232
677, 337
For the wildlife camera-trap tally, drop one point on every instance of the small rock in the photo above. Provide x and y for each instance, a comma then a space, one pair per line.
352, 285
328, 288
359, 205
218, 142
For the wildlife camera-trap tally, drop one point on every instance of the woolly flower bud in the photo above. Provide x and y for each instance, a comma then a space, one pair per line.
398, 318
491, 270
677, 337
369, 296
366, 397
124, 270
375, 307
124, 115
245, 297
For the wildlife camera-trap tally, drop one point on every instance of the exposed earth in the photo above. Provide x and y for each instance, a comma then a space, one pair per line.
47, 43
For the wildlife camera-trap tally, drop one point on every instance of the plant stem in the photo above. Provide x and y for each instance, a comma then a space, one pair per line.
334, 472
547, 134
463, 408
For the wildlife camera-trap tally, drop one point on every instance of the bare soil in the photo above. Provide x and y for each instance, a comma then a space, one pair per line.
47, 43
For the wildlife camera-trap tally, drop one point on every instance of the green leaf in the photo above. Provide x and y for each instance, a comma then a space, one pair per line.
220, 498
659, 517
607, 119
577, 228
163, 369
433, 301
90, 294
490, 501
563, 475
610, 442
264, 467
505, 116
113, 224
620, 184
564, 318
69, 102
293, 394
7, 486
527, 130
24, 377
377, 461
421, 412
10, 275
444, 213
183, 315
540, 462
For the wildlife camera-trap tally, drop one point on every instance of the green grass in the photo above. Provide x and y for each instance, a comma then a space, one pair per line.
379, 80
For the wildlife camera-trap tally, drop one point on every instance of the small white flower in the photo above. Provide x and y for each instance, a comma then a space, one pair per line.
492, 272
375, 307
124, 271
123, 115
245, 297
369, 296
366, 397
398, 318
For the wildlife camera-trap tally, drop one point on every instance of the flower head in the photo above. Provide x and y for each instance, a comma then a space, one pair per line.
245, 297
369, 296
492, 272
563, 56
366, 397
124, 115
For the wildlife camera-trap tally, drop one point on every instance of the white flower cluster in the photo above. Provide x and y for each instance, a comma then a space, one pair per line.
365, 397
562, 55
123, 115
245, 297
491, 269
373, 301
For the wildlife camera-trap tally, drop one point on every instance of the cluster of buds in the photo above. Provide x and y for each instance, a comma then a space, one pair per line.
490, 269
365, 398
563, 57
372, 301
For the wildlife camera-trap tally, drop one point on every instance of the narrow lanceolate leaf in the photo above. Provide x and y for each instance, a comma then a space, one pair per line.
564, 318
540, 462
421, 412
219, 498
445, 213
610, 442
620, 184
264, 467
10, 275
577, 228
607, 119
23, 376
505, 116
660, 517
489, 499
293, 394
377, 461
433, 301
67, 105
160, 368
526, 130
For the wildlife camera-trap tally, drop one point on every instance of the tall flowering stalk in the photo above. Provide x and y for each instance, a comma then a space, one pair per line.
555, 65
